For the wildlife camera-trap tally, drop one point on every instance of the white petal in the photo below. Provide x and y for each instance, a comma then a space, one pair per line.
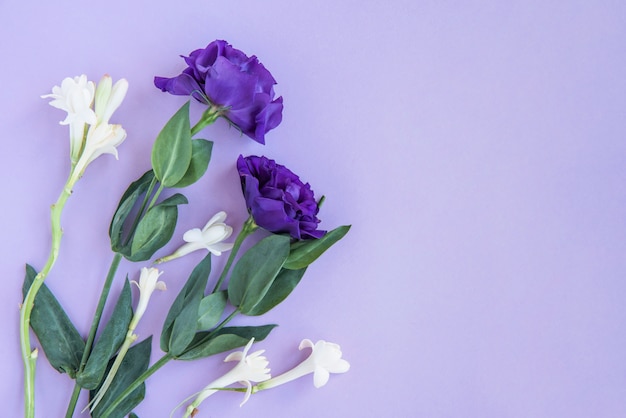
306, 343
219, 217
320, 377
193, 235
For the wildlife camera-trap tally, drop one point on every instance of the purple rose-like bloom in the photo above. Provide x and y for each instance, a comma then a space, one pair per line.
224, 77
277, 199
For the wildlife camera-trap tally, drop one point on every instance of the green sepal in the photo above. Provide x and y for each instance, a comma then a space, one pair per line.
181, 322
58, 337
254, 273
229, 338
283, 285
128, 201
155, 228
171, 152
133, 365
200, 157
305, 252
211, 309
109, 342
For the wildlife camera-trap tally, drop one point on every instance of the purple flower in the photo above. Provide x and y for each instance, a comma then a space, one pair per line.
240, 87
277, 199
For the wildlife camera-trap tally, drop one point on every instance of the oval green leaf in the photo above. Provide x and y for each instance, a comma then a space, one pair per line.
171, 153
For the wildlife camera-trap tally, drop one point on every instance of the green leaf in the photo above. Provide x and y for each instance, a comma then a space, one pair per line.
305, 252
181, 322
211, 310
124, 208
200, 157
58, 337
226, 339
171, 153
109, 342
285, 282
156, 228
254, 273
133, 415
134, 364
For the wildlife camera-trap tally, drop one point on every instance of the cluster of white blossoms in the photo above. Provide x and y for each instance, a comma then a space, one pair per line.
89, 109
325, 358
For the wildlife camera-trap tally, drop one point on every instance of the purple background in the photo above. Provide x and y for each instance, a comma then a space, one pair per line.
477, 148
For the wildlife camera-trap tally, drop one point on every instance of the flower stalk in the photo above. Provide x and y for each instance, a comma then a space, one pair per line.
29, 356
248, 228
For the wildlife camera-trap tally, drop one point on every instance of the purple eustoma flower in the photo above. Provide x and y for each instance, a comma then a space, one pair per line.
239, 87
276, 198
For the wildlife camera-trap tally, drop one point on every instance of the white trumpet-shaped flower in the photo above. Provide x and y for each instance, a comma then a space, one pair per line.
209, 238
249, 368
75, 96
148, 283
109, 97
325, 358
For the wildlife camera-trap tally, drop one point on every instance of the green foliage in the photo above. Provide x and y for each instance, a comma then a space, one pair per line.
200, 157
134, 364
58, 337
181, 322
171, 153
156, 228
305, 252
281, 287
211, 309
255, 272
109, 342
119, 236
206, 344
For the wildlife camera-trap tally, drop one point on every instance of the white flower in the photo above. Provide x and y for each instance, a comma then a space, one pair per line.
209, 238
75, 96
148, 283
109, 97
325, 358
249, 368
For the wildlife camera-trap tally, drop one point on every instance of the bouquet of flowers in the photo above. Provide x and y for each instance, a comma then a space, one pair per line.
114, 366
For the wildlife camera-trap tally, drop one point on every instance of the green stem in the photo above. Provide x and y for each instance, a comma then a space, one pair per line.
29, 356
94, 328
142, 378
208, 117
140, 212
248, 227
73, 400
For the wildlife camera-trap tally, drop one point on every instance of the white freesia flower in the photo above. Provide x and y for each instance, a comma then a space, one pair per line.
148, 283
75, 96
325, 358
209, 238
249, 368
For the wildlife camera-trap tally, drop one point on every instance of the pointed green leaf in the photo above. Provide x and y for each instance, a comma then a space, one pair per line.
58, 337
254, 273
200, 157
156, 228
109, 342
134, 364
229, 338
181, 321
211, 310
171, 153
305, 252
285, 282
124, 208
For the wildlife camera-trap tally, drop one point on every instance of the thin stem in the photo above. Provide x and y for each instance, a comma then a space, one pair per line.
248, 227
29, 357
208, 117
142, 378
94, 328
73, 400
156, 196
